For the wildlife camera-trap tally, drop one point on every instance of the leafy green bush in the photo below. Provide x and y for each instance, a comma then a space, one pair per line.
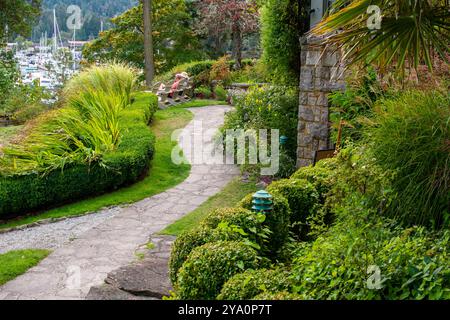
220, 224
26, 190
220, 93
287, 167
281, 295
18, 102
236, 216
188, 241
196, 68
220, 71
208, 267
413, 263
267, 107
282, 24
29, 112
9, 74
253, 73
203, 92
303, 200
321, 175
411, 138
245, 286
277, 221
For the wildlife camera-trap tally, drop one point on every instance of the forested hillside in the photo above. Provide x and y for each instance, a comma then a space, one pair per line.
93, 12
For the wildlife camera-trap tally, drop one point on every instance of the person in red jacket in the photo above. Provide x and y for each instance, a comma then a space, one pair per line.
175, 85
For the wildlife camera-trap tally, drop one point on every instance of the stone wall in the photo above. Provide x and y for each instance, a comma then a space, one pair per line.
321, 73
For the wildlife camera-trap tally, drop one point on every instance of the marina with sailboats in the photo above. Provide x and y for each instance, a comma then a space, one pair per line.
49, 63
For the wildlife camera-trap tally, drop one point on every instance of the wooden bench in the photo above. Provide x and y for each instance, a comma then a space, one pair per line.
183, 93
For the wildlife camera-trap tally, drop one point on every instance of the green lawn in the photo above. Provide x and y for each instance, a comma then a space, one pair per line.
228, 197
201, 103
163, 174
15, 263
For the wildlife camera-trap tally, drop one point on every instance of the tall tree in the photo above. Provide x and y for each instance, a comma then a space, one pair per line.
236, 17
17, 16
283, 22
148, 43
174, 42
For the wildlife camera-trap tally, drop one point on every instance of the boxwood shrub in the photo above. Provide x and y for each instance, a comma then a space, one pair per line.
208, 267
303, 200
23, 192
210, 231
281, 295
236, 216
277, 221
321, 175
245, 286
189, 240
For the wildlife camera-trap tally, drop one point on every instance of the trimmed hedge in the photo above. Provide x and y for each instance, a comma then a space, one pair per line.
277, 221
245, 286
23, 192
208, 267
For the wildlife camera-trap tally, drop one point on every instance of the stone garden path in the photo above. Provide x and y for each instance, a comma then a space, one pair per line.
85, 254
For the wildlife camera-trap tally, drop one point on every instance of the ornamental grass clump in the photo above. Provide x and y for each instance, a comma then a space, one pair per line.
87, 126
411, 137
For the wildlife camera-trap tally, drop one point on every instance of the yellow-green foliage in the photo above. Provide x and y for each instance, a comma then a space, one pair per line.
83, 130
97, 142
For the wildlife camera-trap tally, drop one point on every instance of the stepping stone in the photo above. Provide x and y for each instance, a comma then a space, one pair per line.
149, 278
146, 279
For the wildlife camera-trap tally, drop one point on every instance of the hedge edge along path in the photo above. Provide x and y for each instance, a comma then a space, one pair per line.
30, 191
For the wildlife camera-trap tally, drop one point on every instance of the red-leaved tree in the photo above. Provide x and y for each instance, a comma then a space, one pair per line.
235, 17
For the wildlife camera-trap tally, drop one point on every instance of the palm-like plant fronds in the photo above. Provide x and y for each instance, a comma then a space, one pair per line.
410, 31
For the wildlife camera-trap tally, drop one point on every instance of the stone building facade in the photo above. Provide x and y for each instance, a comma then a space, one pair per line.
321, 73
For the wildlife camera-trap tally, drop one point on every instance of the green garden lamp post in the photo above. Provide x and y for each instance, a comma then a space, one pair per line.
262, 202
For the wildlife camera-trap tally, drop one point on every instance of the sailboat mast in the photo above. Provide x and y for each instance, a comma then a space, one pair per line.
55, 39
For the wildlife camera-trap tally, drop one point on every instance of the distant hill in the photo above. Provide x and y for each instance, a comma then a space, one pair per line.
93, 12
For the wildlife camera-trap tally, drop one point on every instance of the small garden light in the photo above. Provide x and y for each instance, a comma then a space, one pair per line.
283, 140
262, 202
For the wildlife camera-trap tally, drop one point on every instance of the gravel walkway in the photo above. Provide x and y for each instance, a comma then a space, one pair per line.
89, 247
53, 235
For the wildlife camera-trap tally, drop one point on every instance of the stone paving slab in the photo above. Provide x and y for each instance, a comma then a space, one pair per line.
148, 277
84, 262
